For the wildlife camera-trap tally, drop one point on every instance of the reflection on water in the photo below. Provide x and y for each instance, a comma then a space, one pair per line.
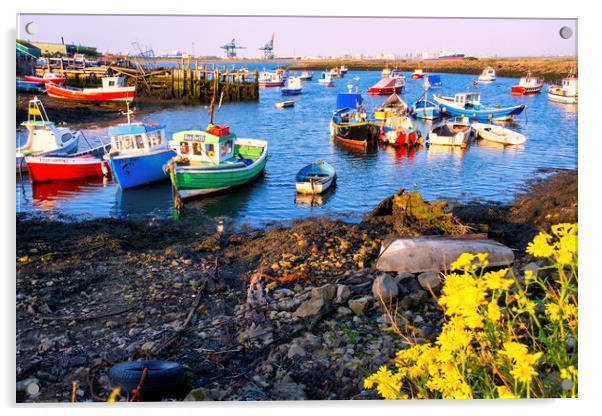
308, 200
300, 135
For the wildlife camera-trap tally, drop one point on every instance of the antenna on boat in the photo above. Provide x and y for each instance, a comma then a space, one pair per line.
212, 103
128, 112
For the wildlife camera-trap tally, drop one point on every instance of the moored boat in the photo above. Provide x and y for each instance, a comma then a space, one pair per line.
387, 86
77, 165
468, 104
393, 106
270, 79
48, 77
138, 153
399, 130
397, 73
293, 86
336, 73
306, 75
43, 136
385, 72
417, 74
30, 86
315, 178
487, 75
349, 124
326, 78
451, 133
343, 69
425, 109
527, 85
285, 104
113, 90
434, 81
565, 93
498, 134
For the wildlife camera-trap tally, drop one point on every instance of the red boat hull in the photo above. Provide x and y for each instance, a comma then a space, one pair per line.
271, 84
43, 169
518, 90
384, 91
403, 139
416, 76
44, 80
121, 94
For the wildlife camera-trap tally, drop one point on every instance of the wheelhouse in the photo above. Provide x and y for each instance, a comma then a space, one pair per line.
468, 100
137, 138
202, 146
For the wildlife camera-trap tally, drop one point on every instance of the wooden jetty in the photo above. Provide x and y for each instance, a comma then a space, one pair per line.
187, 81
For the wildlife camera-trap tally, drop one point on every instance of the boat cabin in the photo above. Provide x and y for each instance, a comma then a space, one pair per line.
488, 72
42, 134
293, 83
270, 77
326, 76
569, 85
137, 138
349, 100
203, 147
113, 82
468, 100
530, 81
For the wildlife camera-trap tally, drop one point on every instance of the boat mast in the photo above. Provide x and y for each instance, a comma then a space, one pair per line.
212, 103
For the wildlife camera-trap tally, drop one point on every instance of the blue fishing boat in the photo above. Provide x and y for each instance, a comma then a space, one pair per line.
425, 109
138, 153
349, 123
435, 81
315, 178
293, 86
468, 104
29, 86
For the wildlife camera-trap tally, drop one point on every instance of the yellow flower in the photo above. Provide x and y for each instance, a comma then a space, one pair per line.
553, 311
523, 372
463, 261
497, 280
504, 392
514, 350
388, 384
540, 246
493, 311
568, 373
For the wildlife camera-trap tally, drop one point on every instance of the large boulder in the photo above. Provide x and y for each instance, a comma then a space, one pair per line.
312, 307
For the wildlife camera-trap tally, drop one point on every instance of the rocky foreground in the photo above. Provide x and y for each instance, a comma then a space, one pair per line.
284, 313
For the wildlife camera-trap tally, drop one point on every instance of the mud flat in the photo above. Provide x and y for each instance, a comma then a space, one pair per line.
283, 313
551, 69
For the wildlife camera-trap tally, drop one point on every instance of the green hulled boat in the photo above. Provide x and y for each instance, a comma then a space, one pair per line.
213, 160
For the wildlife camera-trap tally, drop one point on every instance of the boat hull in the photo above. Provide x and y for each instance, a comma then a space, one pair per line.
54, 168
564, 99
44, 80
192, 181
357, 135
501, 114
69, 148
384, 91
286, 91
121, 94
312, 188
135, 170
406, 138
416, 76
520, 90
271, 83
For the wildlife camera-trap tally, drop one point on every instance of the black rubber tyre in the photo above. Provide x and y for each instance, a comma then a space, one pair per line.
162, 377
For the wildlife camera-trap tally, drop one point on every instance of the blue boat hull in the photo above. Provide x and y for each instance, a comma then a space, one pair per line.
137, 170
286, 91
483, 115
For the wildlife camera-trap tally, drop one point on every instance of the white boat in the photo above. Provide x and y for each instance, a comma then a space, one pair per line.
336, 73
385, 72
343, 69
306, 75
43, 136
270, 79
567, 93
325, 78
498, 134
315, 178
451, 133
487, 75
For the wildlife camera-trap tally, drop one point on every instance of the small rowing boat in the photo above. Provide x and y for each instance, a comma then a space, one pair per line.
113, 90
349, 123
315, 178
451, 133
285, 104
498, 134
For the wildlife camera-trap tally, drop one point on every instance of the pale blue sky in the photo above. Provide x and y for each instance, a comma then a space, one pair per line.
307, 35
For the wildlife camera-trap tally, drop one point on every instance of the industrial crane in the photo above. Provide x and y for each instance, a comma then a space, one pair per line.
268, 49
231, 48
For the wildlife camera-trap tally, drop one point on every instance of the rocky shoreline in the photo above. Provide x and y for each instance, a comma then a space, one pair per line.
284, 313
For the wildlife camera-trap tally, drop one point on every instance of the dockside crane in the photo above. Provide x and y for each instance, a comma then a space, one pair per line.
268, 49
231, 48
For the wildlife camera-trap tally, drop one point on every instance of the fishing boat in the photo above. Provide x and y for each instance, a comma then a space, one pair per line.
396, 73
43, 136
387, 86
434, 81
213, 159
113, 90
392, 106
498, 134
451, 133
417, 74
326, 78
566, 93
487, 75
48, 77
293, 86
77, 165
385, 72
399, 130
527, 85
30, 86
285, 104
336, 73
270, 79
343, 69
306, 75
138, 153
468, 104
349, 124
315, 178
424, 108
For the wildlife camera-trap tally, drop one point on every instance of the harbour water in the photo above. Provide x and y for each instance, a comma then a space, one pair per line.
300, 135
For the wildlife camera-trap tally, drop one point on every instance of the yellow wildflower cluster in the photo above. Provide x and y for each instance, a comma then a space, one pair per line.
495, 340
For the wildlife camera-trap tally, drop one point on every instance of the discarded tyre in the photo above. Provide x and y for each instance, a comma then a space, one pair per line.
163, 378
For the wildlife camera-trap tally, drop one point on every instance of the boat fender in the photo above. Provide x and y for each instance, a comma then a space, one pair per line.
444, 109
210, 153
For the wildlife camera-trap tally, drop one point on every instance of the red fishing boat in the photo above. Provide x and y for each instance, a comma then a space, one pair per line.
78, 165
47, 78
417, 74
527, 85
112, 89
387, 86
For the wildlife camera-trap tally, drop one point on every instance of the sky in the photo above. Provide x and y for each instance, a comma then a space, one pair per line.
306, 36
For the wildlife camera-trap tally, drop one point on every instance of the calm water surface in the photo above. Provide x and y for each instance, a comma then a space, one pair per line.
299, 135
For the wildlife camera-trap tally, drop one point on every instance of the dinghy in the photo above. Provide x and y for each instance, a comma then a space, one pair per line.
285, 104
488, 75
349, 124
315, 178
450, 133
468, 104
498, 134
